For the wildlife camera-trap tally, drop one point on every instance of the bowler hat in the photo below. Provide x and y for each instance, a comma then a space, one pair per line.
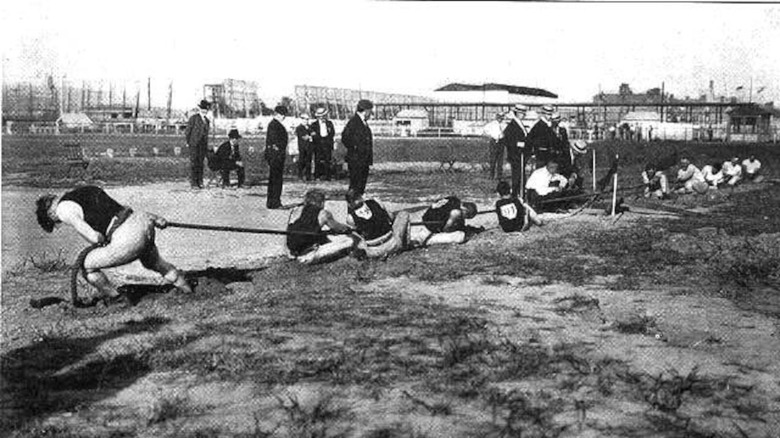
280, 109
204, 104
364, 104
320, 112
520, 107
234, 134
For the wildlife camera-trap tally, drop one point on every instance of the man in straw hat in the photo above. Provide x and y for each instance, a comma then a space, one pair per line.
275, 153
121, 235
542, 141
358, 140
226, 158
494, 131
322, 134
514, 141
305, 148
197, 137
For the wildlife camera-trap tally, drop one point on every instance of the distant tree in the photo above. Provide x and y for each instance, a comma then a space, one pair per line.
625, 90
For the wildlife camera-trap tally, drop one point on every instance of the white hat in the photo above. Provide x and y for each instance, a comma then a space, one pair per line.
579, 146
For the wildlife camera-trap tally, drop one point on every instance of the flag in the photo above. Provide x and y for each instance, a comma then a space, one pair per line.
740, 87
760, 90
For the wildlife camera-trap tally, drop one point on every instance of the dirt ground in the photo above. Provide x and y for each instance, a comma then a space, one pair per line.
660, 322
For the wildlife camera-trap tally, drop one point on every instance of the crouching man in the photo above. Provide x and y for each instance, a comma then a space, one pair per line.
308, 240
445, 222
123, 235
383, 234
656, 183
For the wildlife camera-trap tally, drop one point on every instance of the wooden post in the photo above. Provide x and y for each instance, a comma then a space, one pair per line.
614, 190
593, 172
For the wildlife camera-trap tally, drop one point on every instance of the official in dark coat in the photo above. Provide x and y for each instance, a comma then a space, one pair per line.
226, 158
514, 140
358, 140
275, 153
322, 134
197, 137
305, 148
542, 142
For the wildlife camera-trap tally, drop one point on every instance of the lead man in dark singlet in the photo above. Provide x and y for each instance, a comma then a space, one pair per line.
124, 235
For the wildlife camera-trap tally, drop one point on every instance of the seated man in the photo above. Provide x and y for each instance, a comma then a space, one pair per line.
656, 183
226, 158
752, 168
445, 222
732, 171
121, 235
513, 214
383, 234
690, 178
308, 243
713, 175
546, 185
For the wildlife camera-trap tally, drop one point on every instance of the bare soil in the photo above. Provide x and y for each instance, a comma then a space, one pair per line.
660, 322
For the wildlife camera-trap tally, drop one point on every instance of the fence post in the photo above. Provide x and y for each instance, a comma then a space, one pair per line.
593, 172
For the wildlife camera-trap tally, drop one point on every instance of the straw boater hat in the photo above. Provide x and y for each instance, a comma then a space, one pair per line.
546, 110
579, 147
320, 112
556, 116
520, 108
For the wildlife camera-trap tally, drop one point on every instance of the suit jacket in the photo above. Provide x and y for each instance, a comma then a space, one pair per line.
197, 132
542, 140
514, 135
276, 141
358, 141
225, 155
302, 131
317, 139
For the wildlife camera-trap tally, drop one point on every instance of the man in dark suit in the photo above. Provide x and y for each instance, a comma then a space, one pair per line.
542, 141
227, 157
305, 150
358, 140
322, 134
197, 137
275, 153
514, 141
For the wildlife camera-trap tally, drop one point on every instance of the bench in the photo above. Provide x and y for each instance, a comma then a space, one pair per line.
75, 156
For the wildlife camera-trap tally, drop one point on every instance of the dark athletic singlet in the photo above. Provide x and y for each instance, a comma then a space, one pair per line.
299, 244
439, 213
511, 214
371, 220
98, 207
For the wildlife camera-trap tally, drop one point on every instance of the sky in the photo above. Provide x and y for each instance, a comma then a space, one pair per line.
571, 49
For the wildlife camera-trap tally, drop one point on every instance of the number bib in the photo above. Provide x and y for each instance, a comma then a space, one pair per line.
509, 211
364, 212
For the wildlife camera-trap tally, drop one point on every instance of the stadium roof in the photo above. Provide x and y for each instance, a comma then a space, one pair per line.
753, 110
512, 89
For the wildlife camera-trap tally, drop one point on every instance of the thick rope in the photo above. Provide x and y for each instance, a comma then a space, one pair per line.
253, 230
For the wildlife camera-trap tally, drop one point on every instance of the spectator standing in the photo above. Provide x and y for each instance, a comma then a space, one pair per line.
542, 141
226, 158
197, 137
322, 134
305, 148
358, 140
514, 140
275, 153
494, 131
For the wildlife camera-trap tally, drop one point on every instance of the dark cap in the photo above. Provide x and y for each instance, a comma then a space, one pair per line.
364, 104
234, 134
204, 104
280, 109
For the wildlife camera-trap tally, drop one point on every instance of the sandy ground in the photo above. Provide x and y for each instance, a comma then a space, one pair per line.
601, 378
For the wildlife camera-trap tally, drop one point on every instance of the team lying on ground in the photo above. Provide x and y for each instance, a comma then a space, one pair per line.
122, 235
